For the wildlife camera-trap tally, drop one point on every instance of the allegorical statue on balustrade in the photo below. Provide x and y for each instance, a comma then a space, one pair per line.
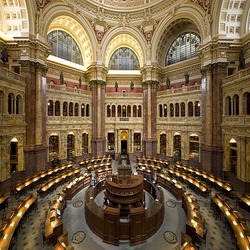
116, 86
186, 78
131, 85
61, 78
168, 83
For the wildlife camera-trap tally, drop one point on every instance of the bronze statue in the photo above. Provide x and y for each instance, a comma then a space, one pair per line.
131, 85
61, 78
186, 78
168, 83
116, 86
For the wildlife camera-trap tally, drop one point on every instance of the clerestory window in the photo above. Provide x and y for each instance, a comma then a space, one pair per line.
184, 47
63, 45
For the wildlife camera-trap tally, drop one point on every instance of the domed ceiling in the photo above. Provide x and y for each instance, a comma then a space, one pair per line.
134, 10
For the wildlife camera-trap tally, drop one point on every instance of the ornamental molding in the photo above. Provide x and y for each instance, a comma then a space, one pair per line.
205, 4
116, 11
41, 3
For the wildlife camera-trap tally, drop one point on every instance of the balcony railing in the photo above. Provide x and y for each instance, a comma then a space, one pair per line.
237, 76
63, 88
183, 90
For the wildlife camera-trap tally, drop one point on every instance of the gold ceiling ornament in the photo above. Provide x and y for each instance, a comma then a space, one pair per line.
205, 4
42, 3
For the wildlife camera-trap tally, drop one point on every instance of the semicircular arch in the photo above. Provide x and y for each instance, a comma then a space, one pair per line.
78, 28
118, 38
186, 19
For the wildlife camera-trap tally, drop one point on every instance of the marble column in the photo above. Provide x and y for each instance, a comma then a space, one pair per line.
212, 110
149, 118
35, 151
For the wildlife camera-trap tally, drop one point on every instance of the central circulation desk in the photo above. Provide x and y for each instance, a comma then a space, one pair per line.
243, 240
14, 220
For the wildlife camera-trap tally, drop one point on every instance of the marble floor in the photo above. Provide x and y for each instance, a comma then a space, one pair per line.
82, 238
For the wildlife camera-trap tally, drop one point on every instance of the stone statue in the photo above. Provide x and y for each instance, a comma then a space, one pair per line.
80, 82
131, 85
116, 86
4, 55
168, 83
61, 78
242, 60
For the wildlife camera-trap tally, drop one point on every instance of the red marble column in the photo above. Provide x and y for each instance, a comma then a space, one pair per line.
212, 110
35, 151
149, 118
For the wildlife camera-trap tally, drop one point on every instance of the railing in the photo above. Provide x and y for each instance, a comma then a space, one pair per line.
68, 89
237, 76
179, 90
119, 94
11, 75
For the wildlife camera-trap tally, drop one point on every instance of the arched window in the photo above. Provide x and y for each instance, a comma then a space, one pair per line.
53, 148
190, 109
171, 109
134, 111
228, 106
71, 109
82, 109
197, 108
233, 155
247, 103
177, 109
183, 109
57, 108
119, 111
13, 155
50, 108
160, 110
70, 146
194, 147
129, 111
113, 111
87, 110
165, 110
177, 147
18, 105
124, 111
76, 109
108, 111
65, 109
11, 103
163, 143
139, 111
85, 143
124, 59
235, 105
184, 47
63, 45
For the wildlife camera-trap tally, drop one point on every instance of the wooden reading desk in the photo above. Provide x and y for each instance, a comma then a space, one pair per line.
240, 230
14, 220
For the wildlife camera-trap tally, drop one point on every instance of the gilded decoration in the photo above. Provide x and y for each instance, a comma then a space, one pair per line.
42, 3
205, 4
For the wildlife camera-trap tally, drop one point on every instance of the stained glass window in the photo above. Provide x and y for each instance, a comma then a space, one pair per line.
124, 59
184, 47
63, 45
